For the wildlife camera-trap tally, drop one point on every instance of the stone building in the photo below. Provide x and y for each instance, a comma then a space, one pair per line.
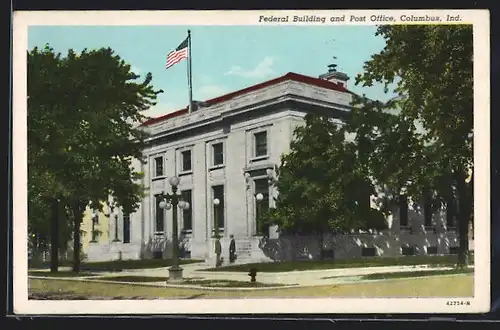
95, 229
227, 148
107, 235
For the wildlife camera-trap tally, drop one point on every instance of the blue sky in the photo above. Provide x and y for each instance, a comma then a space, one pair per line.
224, 58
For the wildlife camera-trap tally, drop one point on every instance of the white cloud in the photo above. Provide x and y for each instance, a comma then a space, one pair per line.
261, 70
204, 79
202, 93
209, 91
135, 69
161, 109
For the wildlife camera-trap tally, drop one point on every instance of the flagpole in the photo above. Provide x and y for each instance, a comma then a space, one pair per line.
190, 80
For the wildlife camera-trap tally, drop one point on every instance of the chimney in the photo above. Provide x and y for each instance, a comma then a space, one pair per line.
335, 76
197, 105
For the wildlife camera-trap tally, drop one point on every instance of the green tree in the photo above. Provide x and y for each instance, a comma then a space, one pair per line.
321, 187
82, 129
422, 140
44, 116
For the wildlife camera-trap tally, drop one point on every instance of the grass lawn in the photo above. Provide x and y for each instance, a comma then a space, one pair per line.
192, 281
233, 284
383, 276
60, 273
140, 279
438, 286
117, 265
286, 266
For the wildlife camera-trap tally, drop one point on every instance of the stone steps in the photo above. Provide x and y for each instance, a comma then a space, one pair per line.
247, 251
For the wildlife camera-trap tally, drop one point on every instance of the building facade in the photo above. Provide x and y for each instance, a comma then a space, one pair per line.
95, 229
107, 235
227, 148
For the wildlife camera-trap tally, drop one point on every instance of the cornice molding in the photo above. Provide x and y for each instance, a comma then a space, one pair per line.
279, 93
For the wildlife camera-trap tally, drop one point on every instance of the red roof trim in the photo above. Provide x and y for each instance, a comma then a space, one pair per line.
289, 76
174, 114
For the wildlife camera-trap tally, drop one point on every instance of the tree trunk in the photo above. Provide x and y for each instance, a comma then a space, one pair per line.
464, 217
78, 215
54, 237
320, 241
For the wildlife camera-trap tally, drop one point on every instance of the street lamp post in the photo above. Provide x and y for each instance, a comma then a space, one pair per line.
115, 213
116, 227
113, 210
172, 201
259, 197
218, 248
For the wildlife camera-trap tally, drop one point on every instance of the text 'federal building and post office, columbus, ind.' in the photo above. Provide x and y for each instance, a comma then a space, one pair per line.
226, 149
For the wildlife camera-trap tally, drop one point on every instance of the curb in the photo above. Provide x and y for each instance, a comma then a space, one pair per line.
165, 285
346, 269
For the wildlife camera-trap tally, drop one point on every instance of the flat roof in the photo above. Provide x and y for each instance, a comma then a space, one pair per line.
289, 76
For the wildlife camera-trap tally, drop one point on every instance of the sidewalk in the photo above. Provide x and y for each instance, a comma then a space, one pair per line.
301, 278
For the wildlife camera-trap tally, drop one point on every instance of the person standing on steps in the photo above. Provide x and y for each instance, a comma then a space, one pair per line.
218, 251
232, 250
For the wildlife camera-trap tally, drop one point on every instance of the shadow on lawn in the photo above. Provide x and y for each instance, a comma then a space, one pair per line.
300, 265
222, 283
422, 273
409, 274
117, 265
42, 273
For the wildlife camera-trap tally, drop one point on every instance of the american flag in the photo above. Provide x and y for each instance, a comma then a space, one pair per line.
177, 55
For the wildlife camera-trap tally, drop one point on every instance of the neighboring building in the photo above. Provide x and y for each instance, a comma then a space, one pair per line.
95, 229
111, 238
227, 148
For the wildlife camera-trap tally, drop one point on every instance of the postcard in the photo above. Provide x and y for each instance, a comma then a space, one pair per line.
178, 162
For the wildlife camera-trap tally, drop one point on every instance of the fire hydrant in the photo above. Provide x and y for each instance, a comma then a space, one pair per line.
252, 273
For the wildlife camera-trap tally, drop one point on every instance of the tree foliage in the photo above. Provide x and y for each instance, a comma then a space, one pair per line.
321, 187
418, 144
83, 109
421, 141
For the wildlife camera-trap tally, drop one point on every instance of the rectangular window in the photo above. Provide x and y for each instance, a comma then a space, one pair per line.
432, 250
260, 144
186, 160
160, 216
403, 211
218, 215
408, 250
218, 153
368, 252
126, 228
327, 254
159, 166
187, 215
261, 187
95, 218
95, 232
